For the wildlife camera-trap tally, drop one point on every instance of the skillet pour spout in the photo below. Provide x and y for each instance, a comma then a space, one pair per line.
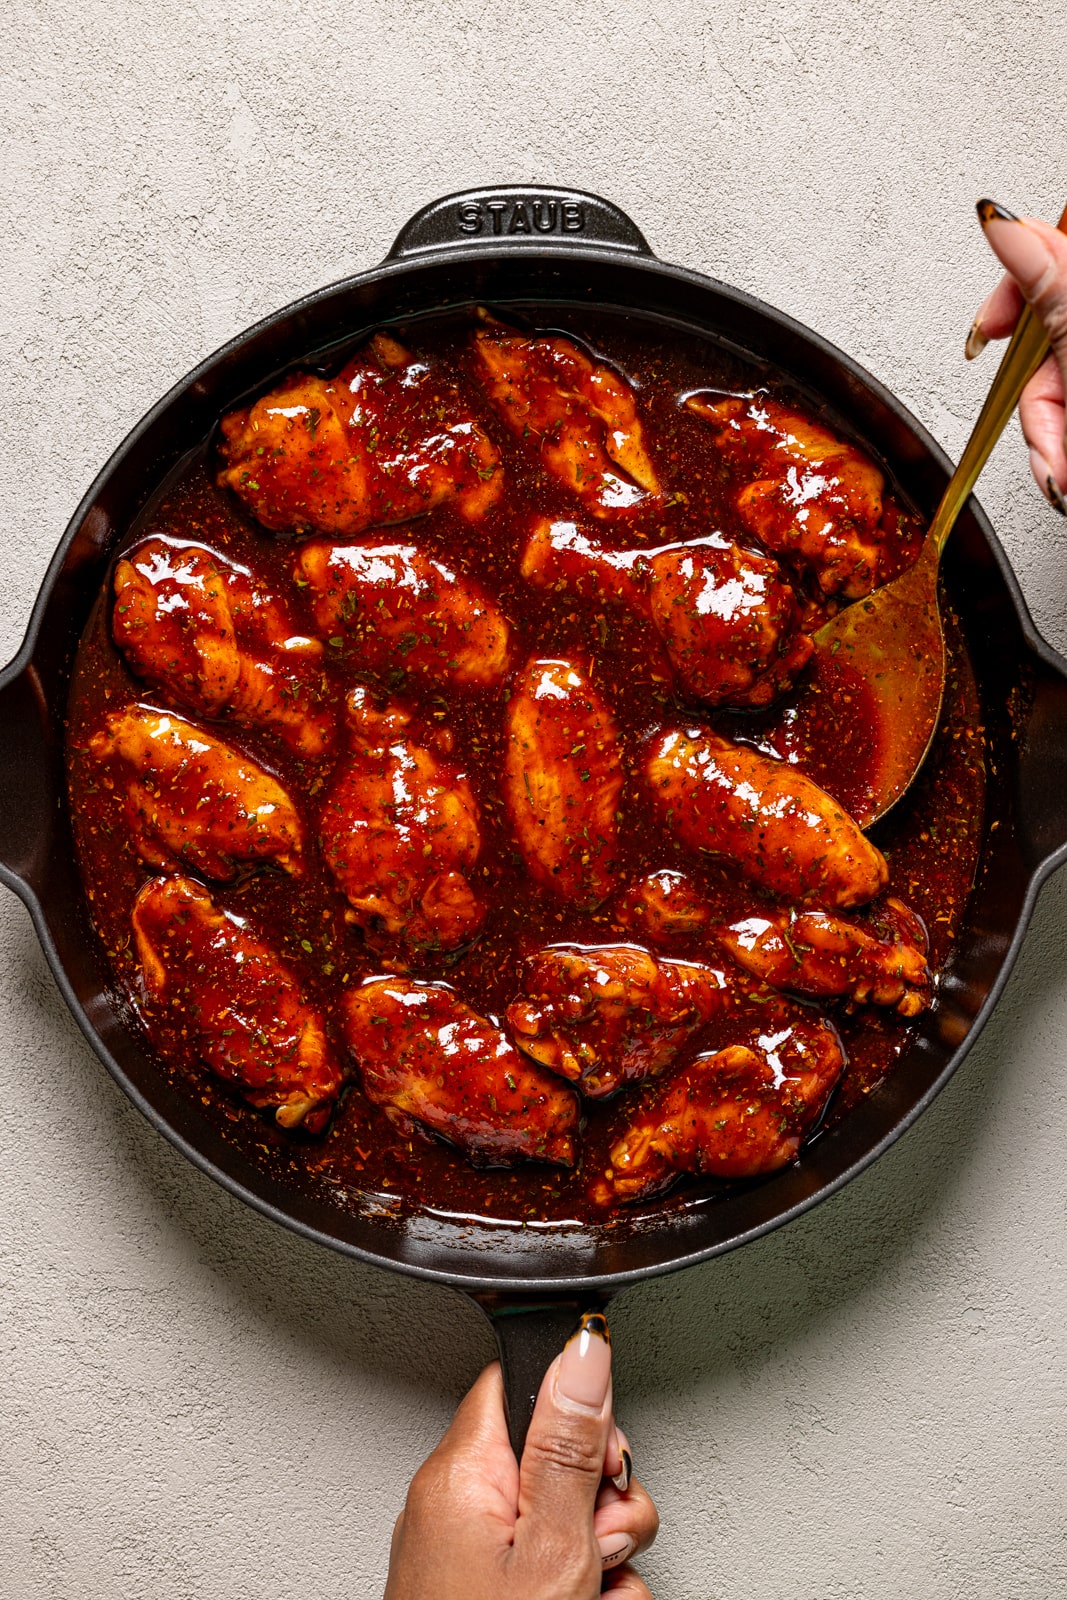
541, 253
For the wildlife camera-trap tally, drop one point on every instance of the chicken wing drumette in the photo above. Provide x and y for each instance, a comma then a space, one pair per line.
237, 1000
435, 1065
728, 620
384, 441
192, 801
401, 611
401, 832
202, 629
605, 1016
562, 780
579, 415
774, 824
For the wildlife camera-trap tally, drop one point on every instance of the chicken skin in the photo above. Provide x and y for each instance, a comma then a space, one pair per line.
814, 499
384, 441
579, 415
605, 1016
562, 780
237, 1000
765, 817
436, 1066
192, 801
729, 622
737, 1113
401, 833
202, 629
399, 610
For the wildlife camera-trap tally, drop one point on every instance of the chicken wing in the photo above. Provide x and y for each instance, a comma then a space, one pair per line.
384, 441
664, 907
237, 1000
729, 622
774, 824
434, 1064
580, 415
402, 611
202, 629
400, 831
562, 780
737, 1113
194, 802
813, 499
605, 1016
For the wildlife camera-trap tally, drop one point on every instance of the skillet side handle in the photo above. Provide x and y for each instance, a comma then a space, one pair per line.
1042, 793
515, 216
27, 800
529, 1335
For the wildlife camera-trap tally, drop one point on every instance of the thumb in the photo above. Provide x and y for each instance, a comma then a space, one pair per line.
1035, 254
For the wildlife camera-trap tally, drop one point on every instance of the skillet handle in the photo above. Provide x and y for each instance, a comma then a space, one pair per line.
1042, 793
27, 794
511, 215
529, 1335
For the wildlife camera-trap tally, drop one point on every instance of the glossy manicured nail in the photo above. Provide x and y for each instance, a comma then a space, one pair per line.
976, 340
990, 211
621, 1480
1022, 251
615, 1548
584, 1372
1043, 473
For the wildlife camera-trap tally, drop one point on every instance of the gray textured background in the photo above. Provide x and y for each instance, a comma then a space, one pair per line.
868, 1405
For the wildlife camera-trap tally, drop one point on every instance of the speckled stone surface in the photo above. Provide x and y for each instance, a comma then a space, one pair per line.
873, 1402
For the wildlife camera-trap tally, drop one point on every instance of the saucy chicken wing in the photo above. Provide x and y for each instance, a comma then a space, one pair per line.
580, 415
400, 831
237, 1000
384, 441
774, 824
403, 611
737, 1113
814, 499
437, 1066
562, 780
191, 801
605, 1016
202, 629
727, 618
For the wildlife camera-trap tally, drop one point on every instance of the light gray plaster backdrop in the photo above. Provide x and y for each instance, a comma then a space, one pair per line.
870, 1404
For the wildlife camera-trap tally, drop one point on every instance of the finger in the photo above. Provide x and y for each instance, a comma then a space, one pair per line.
625, 1584
618, 1459
624, 1524
1041, 413
997, 316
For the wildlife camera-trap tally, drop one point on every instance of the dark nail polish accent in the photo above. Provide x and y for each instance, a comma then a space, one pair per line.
976, 341
593, 1322
1055, 495
990, 211
621, 1480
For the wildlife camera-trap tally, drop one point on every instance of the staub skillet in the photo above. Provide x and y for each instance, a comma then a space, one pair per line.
555, 248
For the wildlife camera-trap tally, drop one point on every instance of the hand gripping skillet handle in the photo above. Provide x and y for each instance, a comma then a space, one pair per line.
512, 216
530, 1334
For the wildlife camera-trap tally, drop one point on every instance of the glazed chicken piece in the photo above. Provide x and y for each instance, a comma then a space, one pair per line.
664, 907
764, 816
579, 415
399, 610
401, 833
814, 499
605, 1016
384, 441
192, 801
237, 1000
438, 1067
202, 629
729, 622
737, 1113
562, 780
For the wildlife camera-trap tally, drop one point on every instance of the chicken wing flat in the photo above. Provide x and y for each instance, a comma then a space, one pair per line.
384, 441
192, 801
774, 824
237, 1000
814, 499
729, 621
664, 907
202, 629
737, 1113
403, 611
435, 1065
605, 1016
562, 780
401, 832
580, 416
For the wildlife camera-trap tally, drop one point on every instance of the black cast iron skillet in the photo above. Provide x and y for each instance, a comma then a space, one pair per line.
554, 248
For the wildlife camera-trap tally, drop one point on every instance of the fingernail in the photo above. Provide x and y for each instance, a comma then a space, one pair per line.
615, 1548
621, 1480
990, 211
1020, 249
976, 340
584, 1372
1043, 473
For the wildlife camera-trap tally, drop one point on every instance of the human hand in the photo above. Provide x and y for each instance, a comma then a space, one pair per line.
478, 1525
1035, 255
